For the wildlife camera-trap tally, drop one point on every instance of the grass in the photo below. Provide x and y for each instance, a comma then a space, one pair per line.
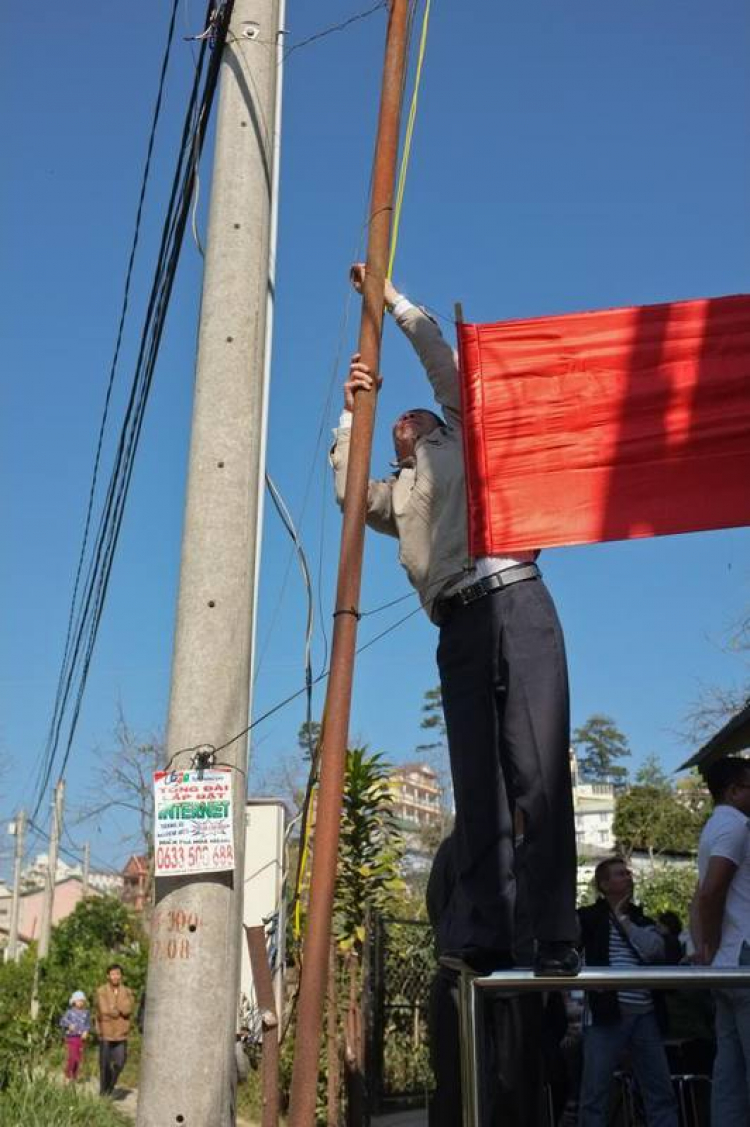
249, 1100
42, 1103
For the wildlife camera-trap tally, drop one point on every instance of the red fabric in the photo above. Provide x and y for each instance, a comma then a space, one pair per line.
607, 426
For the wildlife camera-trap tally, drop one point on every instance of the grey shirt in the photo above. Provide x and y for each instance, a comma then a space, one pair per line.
424, 506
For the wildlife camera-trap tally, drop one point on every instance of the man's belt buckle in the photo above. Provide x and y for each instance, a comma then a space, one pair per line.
471, 593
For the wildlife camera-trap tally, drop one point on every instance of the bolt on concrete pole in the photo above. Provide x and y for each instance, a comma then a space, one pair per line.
338, 696
188, 1072
19, 830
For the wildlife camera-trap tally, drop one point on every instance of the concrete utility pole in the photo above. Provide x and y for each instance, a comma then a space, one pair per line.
338, 696
86, 869
19, 830
48, 904
188, 1073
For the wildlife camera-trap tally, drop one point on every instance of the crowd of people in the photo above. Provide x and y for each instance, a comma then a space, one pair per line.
576, 1059
113, 1013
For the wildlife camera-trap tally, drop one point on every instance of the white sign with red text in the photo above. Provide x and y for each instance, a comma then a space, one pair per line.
194, 825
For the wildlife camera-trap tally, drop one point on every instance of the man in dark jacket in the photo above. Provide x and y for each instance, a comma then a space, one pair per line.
616, 933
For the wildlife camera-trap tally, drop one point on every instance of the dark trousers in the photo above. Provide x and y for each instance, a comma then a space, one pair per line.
510, 1059
504, 682
112, 1057
445, 1051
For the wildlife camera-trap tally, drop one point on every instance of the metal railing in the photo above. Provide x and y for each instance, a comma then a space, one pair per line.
511, 982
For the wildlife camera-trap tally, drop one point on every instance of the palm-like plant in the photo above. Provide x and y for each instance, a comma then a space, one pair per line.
370, 849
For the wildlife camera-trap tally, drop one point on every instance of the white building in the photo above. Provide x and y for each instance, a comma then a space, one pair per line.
594, 806
6, 896
34, 876
417, 795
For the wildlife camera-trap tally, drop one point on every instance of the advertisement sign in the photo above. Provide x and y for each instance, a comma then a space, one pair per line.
193, 815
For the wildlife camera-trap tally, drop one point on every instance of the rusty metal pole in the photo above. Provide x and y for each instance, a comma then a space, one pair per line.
338, 696
266, 1000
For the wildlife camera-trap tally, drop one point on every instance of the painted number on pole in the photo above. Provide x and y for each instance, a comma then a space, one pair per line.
194, 824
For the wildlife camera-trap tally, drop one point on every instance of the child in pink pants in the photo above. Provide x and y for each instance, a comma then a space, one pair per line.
76, 1025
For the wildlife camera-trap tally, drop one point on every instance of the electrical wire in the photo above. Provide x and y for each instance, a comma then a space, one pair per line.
208, 747
75, 853
316, 681
325, 417
288, 523
91, 605
120, 479
118, 340
336, 27
313, 746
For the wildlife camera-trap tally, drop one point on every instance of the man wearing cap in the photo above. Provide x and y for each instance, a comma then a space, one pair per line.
114, 1010
503, 672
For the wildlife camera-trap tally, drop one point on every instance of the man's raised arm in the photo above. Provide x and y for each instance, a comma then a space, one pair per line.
379, 499
438, 358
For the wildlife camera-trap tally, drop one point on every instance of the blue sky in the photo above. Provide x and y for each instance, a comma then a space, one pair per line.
567, 156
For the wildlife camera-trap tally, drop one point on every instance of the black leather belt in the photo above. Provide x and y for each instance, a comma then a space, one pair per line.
485, 586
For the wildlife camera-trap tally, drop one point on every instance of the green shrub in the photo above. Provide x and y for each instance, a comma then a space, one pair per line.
667, 888
100, 931
21, 1039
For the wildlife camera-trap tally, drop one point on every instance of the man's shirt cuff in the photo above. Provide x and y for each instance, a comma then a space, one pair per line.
401, 306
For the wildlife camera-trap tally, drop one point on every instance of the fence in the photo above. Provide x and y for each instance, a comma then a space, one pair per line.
400, 967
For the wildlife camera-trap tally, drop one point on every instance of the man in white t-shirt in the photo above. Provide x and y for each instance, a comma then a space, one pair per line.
721, 927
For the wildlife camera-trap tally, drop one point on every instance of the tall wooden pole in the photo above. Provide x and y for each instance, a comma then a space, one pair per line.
338, 697
188, 1069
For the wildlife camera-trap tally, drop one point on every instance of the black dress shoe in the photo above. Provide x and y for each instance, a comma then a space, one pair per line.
482, 960
558, 960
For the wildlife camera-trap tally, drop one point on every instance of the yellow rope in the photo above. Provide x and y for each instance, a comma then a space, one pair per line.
407, 139
305, 843
409, 133
305, 847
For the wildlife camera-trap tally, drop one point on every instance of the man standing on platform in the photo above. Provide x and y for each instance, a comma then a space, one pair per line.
502, 668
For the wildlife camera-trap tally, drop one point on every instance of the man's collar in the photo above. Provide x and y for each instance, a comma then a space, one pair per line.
409, 463
734, 809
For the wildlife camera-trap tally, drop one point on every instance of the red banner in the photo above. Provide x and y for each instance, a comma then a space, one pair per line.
610, 425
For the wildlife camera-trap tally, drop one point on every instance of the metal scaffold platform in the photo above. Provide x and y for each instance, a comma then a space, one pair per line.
475, 989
